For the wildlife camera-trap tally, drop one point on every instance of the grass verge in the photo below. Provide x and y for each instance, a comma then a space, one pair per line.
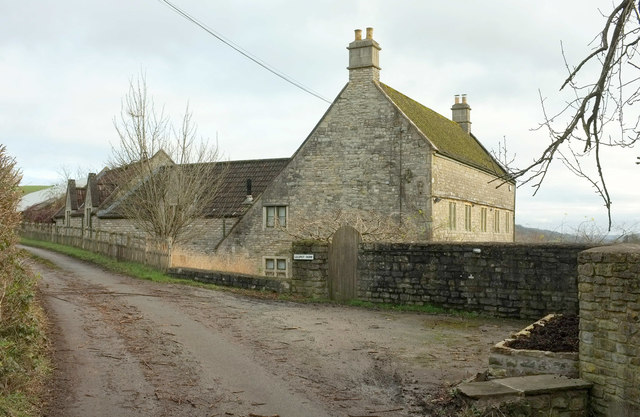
136, 270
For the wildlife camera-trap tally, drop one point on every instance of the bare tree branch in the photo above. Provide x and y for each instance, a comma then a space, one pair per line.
599, 101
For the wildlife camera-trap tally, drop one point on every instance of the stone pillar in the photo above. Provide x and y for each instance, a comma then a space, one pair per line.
609, 296
309, 277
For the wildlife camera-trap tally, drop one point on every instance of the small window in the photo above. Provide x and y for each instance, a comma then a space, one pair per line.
452, 216
275, 267
467, 217
483, 219
496, 222
275, 216
507, 223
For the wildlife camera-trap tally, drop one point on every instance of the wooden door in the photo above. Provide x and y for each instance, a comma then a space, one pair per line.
343, 264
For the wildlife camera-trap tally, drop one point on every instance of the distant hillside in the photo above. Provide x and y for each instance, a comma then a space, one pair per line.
28, 189
531, 234
586, 235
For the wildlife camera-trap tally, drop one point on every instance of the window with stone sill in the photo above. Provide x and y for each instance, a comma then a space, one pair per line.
275, 267
467, 217
275, 216
507, 223
496, 222
483, 219
452, 216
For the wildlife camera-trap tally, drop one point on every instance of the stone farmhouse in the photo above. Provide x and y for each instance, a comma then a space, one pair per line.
374, 153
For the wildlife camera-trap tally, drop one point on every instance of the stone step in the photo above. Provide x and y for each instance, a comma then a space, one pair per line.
521, 386
546, 395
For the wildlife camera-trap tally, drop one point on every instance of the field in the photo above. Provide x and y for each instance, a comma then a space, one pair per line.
28, 189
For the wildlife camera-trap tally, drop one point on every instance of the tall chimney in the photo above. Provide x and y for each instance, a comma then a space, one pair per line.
461, 113
363, 58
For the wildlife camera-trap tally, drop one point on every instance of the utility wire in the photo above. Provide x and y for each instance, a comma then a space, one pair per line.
243, 52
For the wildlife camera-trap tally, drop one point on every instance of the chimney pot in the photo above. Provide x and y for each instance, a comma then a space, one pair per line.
464, 98
358, 34
457, 99
369, 33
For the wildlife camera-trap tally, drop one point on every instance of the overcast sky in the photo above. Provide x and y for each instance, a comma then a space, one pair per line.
65, 65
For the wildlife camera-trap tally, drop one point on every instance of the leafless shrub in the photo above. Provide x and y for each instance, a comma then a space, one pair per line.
373, 226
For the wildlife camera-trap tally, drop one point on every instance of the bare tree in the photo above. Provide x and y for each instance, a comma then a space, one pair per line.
603, 87
172, 177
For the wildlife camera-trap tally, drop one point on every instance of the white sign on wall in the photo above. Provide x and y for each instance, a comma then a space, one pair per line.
303, 256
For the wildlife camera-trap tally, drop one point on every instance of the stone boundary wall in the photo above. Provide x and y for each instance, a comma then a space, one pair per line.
501, 279
229, 279
609, 285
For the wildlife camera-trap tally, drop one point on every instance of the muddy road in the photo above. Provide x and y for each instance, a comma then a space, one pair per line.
125, 347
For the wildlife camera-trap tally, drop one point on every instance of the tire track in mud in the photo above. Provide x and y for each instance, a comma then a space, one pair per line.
185, 351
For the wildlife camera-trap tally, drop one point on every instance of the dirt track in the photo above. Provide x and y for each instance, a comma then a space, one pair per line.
124, 347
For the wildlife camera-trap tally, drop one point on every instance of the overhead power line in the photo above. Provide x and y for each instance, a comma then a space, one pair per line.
244, 52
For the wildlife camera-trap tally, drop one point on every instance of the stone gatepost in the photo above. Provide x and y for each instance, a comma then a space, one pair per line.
609, 298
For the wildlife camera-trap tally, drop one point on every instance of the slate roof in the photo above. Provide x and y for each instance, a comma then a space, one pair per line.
446, 135
230, 201
261, 172
77, 200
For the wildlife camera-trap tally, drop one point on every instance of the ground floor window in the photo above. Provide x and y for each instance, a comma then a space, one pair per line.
507, 222
275, 267
452, 216
467, 217
496, 222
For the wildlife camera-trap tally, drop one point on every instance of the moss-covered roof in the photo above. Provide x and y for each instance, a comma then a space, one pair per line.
446, 135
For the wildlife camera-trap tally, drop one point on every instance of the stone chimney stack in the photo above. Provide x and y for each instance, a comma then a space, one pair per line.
461, 113
363, 58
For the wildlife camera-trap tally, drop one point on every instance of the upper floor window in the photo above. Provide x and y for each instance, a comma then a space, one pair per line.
275, 216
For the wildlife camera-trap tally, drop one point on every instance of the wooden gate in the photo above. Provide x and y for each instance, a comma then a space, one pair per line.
343, 264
